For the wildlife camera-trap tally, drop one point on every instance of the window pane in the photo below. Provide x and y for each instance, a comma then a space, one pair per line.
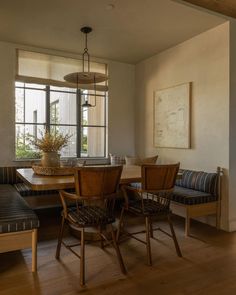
93, 142
93, 115
70, 149
19, 105
35, 102
62, 108
38, 86
30, 106
24, 136
21, 84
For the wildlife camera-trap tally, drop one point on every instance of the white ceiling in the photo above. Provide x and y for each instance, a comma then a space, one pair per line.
132, 31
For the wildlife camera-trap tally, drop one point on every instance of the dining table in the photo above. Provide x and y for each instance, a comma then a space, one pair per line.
130, 173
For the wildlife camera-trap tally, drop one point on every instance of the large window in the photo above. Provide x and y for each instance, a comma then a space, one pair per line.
45, 101
60, 109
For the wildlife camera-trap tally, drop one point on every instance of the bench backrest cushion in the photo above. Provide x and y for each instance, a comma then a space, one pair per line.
199, 180
8, 175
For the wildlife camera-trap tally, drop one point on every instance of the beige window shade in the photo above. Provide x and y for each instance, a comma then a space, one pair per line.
47, 69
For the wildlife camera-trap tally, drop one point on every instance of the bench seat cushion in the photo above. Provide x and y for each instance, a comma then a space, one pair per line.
15, 214
191, 197
24, 190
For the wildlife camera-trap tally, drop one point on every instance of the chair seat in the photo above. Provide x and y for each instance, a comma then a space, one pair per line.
90, 216
150, 207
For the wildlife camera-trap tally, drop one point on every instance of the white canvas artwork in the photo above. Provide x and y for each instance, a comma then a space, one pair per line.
172, 117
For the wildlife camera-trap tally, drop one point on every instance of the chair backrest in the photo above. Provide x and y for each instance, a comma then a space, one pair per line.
159, 177
97, 182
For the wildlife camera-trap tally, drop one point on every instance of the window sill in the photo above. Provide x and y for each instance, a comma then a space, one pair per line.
89, 161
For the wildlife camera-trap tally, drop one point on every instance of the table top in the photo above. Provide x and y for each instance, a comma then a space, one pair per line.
43, 182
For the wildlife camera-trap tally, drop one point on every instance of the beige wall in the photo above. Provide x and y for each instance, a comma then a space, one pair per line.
204, 61
120, 103
232, 141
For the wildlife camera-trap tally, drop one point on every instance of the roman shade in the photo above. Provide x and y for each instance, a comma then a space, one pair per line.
40, 68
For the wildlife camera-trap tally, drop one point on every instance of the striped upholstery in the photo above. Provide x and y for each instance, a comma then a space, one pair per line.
117, 160
206, 182
195, 187
188, 179
25, 191
191, 197
90, 216
8, 175
15, 214
147, 207
199, 180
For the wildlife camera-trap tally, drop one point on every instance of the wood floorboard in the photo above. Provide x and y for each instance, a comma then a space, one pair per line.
208, 265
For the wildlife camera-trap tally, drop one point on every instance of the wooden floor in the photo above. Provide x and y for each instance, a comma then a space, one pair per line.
208, 266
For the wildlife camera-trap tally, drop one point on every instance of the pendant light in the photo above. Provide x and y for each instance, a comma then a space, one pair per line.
86, 76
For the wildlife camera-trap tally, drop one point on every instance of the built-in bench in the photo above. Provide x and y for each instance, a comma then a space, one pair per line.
35, 199
199, 193
18, 223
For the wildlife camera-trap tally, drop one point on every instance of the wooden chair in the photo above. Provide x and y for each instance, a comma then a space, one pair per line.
151, 199
96, 189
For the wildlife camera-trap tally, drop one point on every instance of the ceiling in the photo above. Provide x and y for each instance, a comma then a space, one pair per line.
227, 7
132, 31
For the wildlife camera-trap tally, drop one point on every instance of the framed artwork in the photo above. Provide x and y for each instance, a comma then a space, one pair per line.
172, 117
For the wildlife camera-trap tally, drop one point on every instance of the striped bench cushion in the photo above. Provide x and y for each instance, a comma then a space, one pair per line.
117, 160
198, 180
24, 190
8, 175
191, 197
15, 214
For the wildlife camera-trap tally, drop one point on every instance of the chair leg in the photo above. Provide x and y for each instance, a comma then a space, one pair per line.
82, 259
120, 224
60, 236
102, 241
148, 244
34, 249
120, 259
151, 228
174, 236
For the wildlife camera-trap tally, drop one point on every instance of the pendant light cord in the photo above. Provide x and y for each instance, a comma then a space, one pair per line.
86, 54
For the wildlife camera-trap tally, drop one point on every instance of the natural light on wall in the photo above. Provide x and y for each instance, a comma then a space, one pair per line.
45, 101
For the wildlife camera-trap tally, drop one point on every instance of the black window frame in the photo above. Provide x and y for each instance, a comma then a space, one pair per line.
79, 109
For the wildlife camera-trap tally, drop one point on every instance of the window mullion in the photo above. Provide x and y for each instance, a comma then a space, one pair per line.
78, 118
47, 108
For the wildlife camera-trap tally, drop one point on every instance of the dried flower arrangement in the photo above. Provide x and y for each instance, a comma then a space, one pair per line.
51, 142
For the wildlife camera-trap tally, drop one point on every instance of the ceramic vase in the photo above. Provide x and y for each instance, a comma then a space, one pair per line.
50, 159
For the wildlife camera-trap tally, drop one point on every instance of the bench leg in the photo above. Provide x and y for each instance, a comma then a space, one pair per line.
34, 249
187, 223
218, 215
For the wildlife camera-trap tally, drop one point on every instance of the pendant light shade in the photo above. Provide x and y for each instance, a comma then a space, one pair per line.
86, 76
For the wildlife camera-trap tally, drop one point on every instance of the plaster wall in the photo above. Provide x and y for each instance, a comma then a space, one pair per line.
204, 61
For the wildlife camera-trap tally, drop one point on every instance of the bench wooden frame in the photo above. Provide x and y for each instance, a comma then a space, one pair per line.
20, 240
204, 209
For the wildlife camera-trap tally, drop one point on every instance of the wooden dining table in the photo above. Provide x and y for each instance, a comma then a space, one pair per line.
37, 182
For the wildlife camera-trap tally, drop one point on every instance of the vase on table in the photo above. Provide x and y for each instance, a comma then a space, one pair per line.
50, 159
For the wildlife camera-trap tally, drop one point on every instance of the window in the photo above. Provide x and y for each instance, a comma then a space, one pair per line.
45, 101
60, 109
